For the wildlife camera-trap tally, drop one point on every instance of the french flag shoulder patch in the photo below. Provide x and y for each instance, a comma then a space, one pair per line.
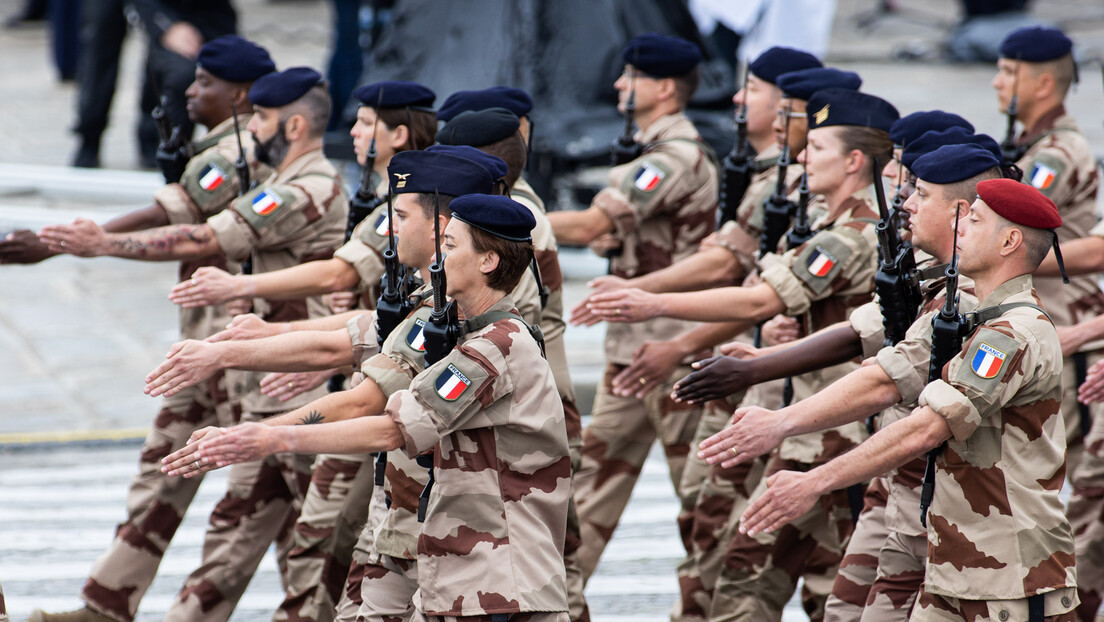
383, 225
266, 202
1042, 176
987, 361
211, 177
415, 337
648, 177
451, 383
820, 262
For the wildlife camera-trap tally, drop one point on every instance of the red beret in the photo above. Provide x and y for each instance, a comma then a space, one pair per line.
1020, 203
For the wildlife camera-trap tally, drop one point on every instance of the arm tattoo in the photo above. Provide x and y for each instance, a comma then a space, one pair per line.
164, 243
313, 417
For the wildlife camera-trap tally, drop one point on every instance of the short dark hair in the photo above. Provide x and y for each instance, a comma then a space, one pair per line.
425, 201
874, 143
513, 258
1062, 69
967, 188
421, 125
314, 105
512, 150
686, 86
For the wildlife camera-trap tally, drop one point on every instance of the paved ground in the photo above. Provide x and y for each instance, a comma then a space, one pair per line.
77, 336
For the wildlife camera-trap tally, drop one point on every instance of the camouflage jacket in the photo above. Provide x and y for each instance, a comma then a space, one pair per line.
493, 537
1060, 163
907, 365
821, 282
661, 204
997, 528
209, 183
364, 250
289, 219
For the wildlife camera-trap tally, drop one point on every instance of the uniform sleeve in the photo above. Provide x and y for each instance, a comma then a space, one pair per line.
527, 298
978, 382
649, 184
833, 263
363, 336
866, 321
733, 238
1051, 172
907, 365
271, 217
1098, 230
364, 250
451, 395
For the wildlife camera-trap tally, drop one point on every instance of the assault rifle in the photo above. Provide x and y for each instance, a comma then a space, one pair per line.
897, 281
948, 329
392, 306
736, 166
443, 328
800, 233
240, 165
366, 201
778, 208
625, 149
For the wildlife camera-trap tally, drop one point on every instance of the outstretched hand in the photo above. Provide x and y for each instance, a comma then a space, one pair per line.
83, 238
208, 286
789, 495
188, 364
753, 432
245, 442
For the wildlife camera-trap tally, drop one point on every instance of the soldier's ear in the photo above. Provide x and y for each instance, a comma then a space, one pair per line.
1012, 238
400, 138
295, 127
488, 262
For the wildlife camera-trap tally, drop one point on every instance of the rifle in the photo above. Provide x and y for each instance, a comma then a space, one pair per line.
172, 157
948, 329
625, 149
896, 282
443, 328
778, 208
801, 232
1010, 151
366, 201
392, 307
240, 165
736, 166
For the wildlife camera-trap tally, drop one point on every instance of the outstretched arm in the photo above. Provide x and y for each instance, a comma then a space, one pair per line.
87, 239
579, 226
210, 286
727, 304
791, 494
1080, 256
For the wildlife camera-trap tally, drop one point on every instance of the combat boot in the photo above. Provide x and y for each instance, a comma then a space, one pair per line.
84, 614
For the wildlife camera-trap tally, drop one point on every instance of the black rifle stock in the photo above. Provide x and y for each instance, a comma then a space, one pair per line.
172, 156
801, 232
392, 306
365, 201
443, 328
736, 166
625, 149
241, 166
779, 209
1010, 151
896, 281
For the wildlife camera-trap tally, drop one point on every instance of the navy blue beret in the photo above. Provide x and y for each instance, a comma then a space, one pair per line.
445, 173
828, 107
513, 99
802, 84
1035, 44
479, 127
282, 88
953, 163
662, 56
234, 59
915, 125
395, 94
930, 141
779, 60
495, 165
497, 215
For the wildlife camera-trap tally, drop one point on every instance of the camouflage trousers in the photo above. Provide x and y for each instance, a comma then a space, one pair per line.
387, 590
615, 446
514, 617
155, 502
261, 505
717, 499
334, 512
1071, 410
882, 570
760, 574
930, 607
1086, 515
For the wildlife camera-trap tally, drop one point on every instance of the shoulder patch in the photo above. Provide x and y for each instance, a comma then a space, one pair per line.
415, 337
987, 361
1045, 172
451, 383
449, 387
821, 261
382, 225
372, 231
261, 206
209, 180
646, 178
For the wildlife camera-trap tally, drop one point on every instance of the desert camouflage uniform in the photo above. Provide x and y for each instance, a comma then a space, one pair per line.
155, 502
997, 532
759, 574
493, 536
662, 204
883, 567
1060, 163
335, 509
713, 494
291, 218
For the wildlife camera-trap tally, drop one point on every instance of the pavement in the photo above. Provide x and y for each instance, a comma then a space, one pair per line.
78, 336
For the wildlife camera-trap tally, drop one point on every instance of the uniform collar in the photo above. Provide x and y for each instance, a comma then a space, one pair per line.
301, 164
1006, 290
1045, 123
668, 126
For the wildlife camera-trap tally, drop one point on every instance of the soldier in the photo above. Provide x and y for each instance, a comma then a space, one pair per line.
225, 69
819, 282
490, 402
658, 207
296, 215
394, 117
996, 407
1034, 75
